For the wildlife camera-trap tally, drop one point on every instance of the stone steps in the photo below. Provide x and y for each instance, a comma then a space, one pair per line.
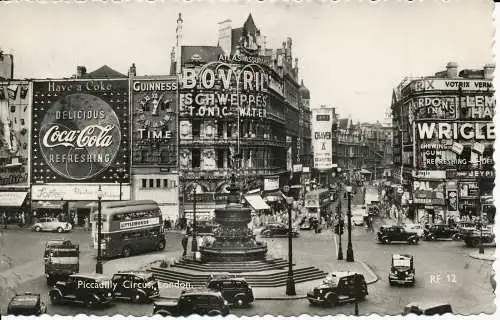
232, 267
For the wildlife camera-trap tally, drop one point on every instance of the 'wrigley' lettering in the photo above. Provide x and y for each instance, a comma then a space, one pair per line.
456, 131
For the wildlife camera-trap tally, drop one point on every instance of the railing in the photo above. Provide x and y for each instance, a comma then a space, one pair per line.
228, 141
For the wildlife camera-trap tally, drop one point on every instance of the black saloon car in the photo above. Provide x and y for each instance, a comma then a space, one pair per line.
234, 290
339, 287
278, 229
136, 286
91, 289
390, 234
441, 231
402, 270
200, 302
28, 304
427, 308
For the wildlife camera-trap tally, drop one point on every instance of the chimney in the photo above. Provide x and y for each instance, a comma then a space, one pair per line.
225, 42
451, 70
80, 72
488, 70
132, 71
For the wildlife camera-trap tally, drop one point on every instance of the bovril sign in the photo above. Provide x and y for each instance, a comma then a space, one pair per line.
78, 135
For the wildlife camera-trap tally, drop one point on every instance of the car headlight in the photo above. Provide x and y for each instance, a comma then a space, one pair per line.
109, 294
225, 302
320, 291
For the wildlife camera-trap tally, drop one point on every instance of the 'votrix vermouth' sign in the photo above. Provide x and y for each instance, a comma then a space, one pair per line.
80, 130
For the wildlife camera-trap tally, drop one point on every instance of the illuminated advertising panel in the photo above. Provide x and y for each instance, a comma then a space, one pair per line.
15, 113
322, 121
80, 131
220, 89
154, 121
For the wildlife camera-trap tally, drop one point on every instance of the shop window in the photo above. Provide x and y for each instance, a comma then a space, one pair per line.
196, 158
196, 128
151, 183
158, 183
220, 158
144, 183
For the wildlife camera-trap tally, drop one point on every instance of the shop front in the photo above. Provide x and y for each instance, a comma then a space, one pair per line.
13, 206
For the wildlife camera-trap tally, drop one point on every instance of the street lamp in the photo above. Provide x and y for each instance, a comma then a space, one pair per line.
194, 243
119, 175
290, 283
350, 253
98, 266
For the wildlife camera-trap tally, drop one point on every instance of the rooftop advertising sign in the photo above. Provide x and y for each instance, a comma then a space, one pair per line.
80, 130
455, 130
322, 121
154, 123
221, 90
427, 84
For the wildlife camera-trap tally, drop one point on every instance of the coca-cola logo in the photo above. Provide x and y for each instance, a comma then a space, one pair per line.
79, 136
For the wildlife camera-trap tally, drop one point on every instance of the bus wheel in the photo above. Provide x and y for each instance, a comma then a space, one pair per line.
161, 246
126, 251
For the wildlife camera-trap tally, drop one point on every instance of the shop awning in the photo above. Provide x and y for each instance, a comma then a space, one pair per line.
257, 202
274, 196
47, 205
12, 199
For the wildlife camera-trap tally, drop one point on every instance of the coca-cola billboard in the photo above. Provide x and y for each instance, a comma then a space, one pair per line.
80, 131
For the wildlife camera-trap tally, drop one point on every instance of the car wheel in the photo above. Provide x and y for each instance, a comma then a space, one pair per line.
432, 237
456, 236
386, 241
90, 303
391, 283
138, 298
161, 246
59, 230
55, 297
331, 300
126, 252
214, 313
476, 243
37, 229
163, 313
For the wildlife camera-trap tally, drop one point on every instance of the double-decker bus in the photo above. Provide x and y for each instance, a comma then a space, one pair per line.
129, 227
317, 202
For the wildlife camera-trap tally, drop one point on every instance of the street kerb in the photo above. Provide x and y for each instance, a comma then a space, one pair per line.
483, 256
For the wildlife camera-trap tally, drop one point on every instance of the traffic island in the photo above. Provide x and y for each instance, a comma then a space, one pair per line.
488, 255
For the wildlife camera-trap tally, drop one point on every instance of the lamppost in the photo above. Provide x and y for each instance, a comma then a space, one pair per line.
350, 253
340, 254
98, 266
194, 243
290, 283
120, 174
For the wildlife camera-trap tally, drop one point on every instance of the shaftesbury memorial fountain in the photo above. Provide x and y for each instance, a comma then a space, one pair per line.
234, 241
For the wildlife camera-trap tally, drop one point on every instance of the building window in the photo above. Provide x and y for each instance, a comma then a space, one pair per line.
151, 183
220, 158
144, 155
220, 130
165, 183
196, 158
158, 183
196, 128
164, 156
144, 183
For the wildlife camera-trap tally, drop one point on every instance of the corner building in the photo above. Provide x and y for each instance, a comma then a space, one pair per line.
443, 144
239, 111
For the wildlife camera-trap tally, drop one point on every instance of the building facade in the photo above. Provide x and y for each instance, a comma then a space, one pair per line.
6, 66
443, 142
239, 111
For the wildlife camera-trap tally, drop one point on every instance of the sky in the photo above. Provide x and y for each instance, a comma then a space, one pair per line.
351, 54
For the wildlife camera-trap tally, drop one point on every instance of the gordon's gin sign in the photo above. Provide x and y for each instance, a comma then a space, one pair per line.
80, 135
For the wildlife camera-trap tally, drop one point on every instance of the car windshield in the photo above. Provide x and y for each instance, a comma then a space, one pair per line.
401, 262
24, 300
331, 280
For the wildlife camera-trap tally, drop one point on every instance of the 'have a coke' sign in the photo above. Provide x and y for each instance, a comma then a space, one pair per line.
79, 135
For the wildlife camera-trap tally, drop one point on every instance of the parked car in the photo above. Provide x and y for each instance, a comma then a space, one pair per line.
278, 229
197, 301
427, 308
415, 228
339, 287
474, 238
51, 224
136, 286
235, 290
402, 270
441, 231
393, 233
91, 289
27, 304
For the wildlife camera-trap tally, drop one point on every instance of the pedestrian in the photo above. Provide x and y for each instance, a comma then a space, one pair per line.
23, 218
86, 223
184, 243
4, 220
